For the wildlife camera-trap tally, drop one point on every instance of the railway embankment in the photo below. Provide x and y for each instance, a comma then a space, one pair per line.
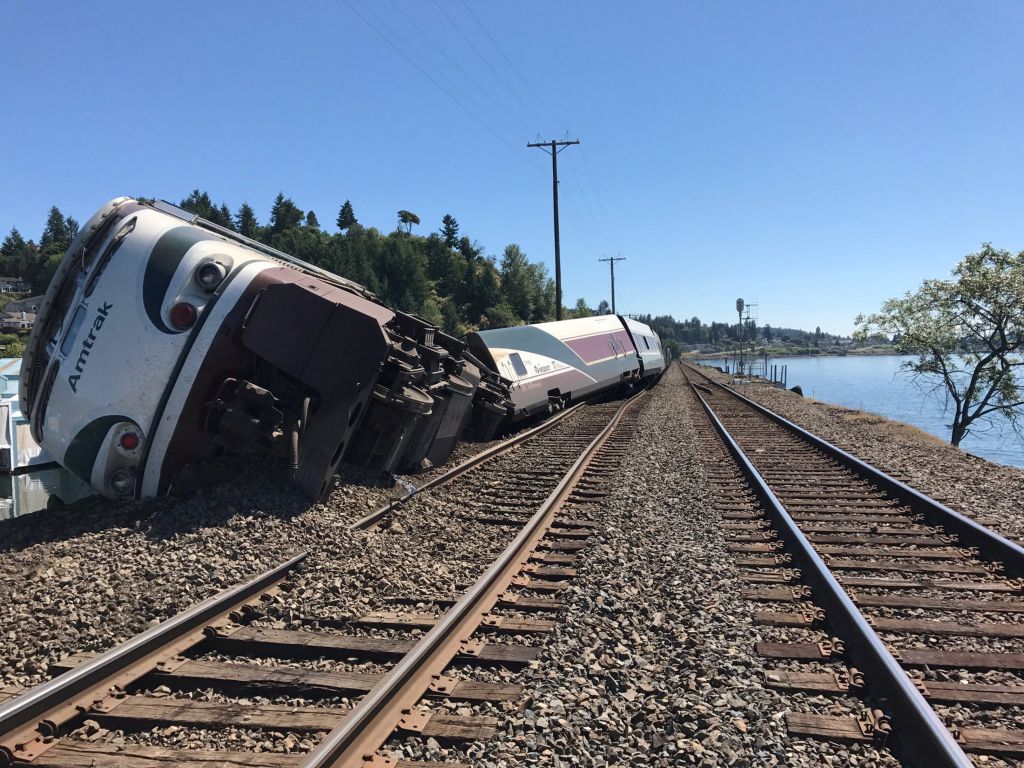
981, 489
651, 660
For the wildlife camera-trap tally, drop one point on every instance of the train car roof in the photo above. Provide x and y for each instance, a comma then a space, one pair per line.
636, 325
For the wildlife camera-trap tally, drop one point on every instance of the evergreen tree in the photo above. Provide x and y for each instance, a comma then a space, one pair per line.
604, 308
200, 204
284, 214
311, 221
55, 236
346, 217
13, 244
450, 230
222, 216
245, 221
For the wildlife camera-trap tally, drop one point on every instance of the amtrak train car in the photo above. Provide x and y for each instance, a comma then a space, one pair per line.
653, 360
553, 364
164, 338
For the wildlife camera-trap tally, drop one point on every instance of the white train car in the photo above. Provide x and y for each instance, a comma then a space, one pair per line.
552, 364
648, 347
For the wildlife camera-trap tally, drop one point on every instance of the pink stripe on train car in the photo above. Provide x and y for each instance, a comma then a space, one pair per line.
592, 349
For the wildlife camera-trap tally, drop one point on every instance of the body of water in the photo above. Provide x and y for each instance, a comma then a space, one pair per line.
32, 491
875, 383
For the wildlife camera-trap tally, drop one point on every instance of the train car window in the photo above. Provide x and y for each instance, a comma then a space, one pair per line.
72, 331
646, 342
517, 364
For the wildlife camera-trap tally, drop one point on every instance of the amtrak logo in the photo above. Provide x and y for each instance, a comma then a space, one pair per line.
87, 344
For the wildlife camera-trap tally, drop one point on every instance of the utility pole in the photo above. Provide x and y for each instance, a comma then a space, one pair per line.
553, 148
611, 263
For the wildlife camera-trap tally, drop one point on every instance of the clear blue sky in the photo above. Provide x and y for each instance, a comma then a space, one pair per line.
819, 157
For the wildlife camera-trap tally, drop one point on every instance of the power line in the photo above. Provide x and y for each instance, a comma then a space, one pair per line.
592, 217
597, 196
488, 95
483, 58
440, 87
509, 61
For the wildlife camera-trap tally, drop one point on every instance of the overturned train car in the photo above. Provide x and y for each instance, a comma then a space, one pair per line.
164, 338
553, 364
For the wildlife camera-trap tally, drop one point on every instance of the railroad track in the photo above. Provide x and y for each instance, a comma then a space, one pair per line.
881, 594
221, 666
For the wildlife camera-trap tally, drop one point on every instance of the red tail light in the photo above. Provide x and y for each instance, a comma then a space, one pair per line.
183, 315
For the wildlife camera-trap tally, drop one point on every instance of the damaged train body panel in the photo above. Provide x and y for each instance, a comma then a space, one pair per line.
164, 338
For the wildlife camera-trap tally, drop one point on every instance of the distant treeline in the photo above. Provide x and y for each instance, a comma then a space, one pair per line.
444, 277
694, 332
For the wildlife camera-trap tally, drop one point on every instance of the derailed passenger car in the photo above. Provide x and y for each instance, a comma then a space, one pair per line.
553, 364
163, 337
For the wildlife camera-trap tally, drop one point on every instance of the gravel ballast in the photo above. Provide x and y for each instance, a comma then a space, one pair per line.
652, 661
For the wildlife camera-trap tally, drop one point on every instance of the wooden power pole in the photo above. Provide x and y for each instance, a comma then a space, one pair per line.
553, 148
611, 263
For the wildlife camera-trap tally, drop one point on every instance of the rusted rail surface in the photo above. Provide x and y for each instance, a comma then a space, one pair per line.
30, 721
117, 690
360, 736
815, 528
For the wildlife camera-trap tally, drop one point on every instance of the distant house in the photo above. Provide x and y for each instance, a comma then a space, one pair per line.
14, 285
31, 304
17, 321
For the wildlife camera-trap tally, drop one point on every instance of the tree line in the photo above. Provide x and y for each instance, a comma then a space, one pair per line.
445, 277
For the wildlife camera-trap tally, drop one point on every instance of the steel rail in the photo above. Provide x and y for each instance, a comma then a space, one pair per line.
368, 726
460, 469
991, 545
39, 711
922, 735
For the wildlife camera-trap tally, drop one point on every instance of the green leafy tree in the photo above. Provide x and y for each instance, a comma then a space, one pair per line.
544, 293
518, 285
966, 335
311, 221
581, 309
246, 223
407, 219
346, 217
450, 230
604, 308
